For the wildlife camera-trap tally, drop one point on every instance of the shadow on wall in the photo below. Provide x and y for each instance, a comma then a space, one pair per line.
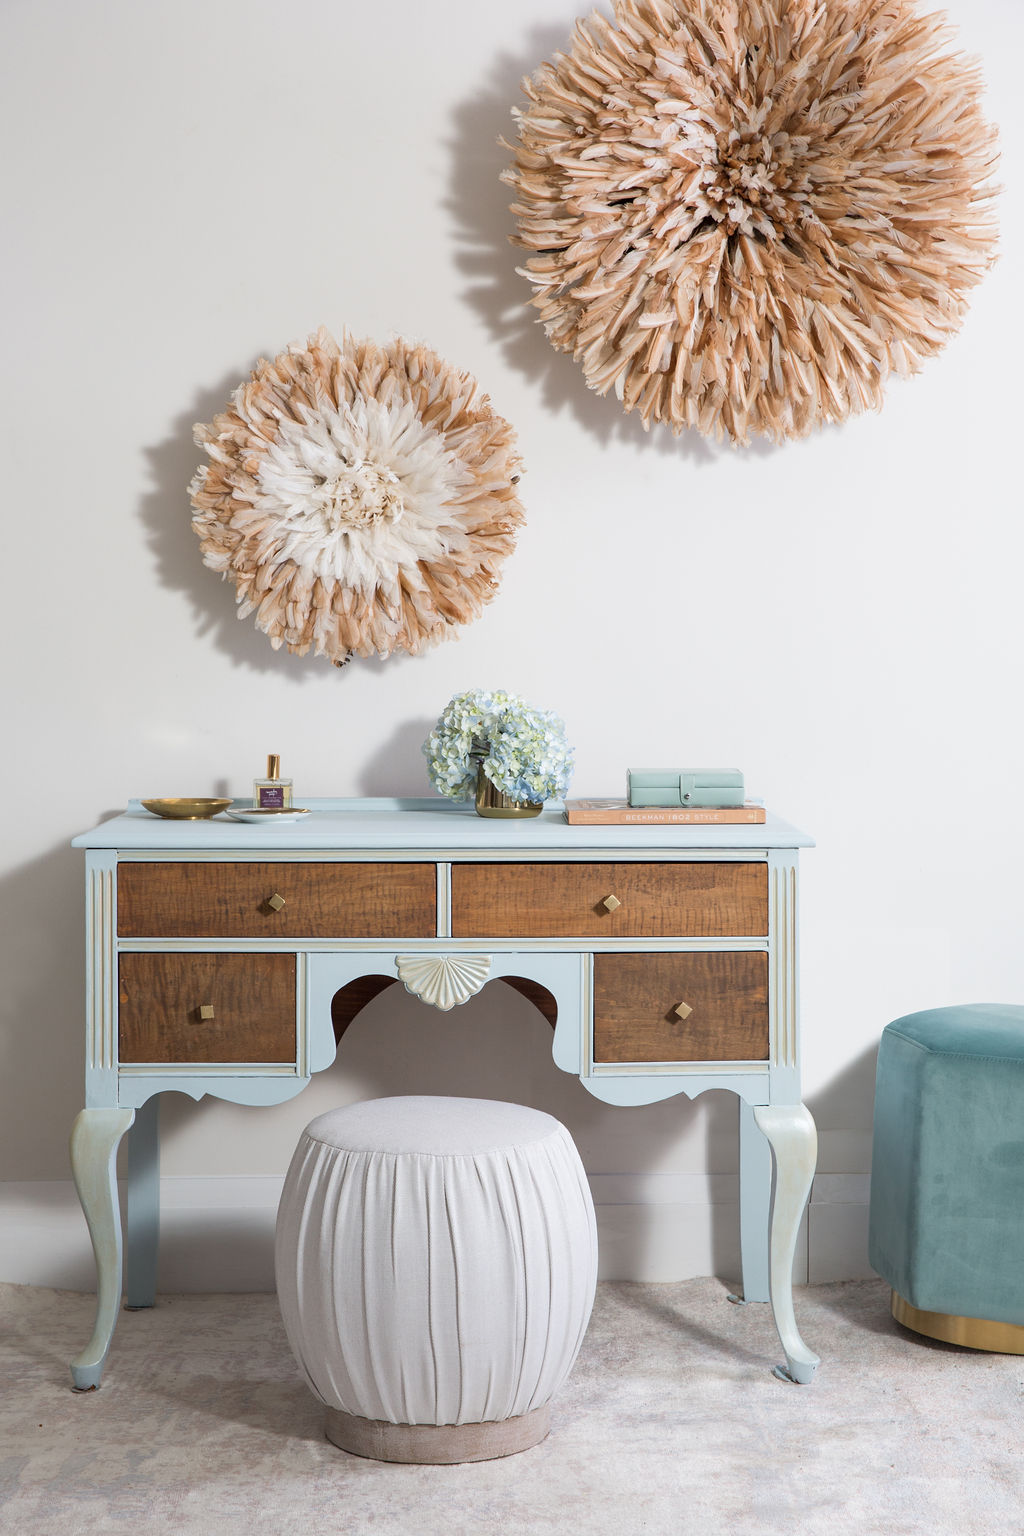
398, 767
41, 1024
847, 1103
479, 203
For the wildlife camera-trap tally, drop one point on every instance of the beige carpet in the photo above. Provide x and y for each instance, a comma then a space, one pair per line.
671, 1425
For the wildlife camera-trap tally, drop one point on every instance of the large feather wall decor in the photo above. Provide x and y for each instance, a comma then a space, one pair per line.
744, 215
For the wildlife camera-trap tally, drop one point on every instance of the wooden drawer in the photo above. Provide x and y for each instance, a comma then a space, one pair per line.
707, 901
160, 998
635, 997
320, 901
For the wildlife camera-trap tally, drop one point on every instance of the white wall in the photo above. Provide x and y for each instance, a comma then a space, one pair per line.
188, 185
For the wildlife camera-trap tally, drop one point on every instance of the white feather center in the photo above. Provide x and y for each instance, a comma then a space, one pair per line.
355, 494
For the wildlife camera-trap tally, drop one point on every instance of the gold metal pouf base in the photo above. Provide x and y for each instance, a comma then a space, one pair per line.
437, 1444
971, 1332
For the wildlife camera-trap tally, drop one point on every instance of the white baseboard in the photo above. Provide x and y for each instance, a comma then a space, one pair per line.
217, 1234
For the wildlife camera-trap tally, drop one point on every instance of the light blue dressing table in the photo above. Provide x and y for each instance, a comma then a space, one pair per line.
228, 959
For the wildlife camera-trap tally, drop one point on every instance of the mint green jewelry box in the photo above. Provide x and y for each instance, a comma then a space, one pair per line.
707, 788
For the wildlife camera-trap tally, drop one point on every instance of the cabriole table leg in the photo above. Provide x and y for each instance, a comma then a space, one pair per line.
794, 1142
95, 1136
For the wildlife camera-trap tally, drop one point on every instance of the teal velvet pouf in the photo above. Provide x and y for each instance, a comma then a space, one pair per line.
947, 1180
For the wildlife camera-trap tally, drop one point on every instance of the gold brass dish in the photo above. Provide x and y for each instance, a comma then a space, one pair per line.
186, 808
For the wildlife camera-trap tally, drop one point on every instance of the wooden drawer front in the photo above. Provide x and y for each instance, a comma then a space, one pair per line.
706, 901
252, 997
635, 997
232, 901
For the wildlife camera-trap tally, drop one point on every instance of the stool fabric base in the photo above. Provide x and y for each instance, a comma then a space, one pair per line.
970, 1332
437, 1444
946, 1227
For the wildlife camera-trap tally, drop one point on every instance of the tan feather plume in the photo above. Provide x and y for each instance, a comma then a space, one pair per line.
743, 215
361, 498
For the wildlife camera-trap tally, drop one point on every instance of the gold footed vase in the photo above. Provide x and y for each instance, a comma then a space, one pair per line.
491, 801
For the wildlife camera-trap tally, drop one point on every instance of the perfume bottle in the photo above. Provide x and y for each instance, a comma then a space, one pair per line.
272, 793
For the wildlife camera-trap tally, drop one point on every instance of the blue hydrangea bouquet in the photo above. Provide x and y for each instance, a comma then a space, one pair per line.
522, 751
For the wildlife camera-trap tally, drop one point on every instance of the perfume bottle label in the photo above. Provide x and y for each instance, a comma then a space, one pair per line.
272, 796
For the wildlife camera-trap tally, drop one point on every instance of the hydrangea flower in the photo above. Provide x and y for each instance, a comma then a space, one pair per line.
524, 751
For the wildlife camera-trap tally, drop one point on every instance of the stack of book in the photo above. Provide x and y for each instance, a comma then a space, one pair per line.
672, 796
609, 813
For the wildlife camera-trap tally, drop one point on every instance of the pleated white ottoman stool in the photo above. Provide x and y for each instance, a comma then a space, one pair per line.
436, 1265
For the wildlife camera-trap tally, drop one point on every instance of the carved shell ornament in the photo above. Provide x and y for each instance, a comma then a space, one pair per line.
361, 498
744, 215
443, 980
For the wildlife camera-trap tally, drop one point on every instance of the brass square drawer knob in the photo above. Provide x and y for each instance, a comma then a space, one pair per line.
682, 1010
206, 1011
276, 902
611, 903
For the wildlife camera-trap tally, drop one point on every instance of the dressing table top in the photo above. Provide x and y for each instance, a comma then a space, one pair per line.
429, 824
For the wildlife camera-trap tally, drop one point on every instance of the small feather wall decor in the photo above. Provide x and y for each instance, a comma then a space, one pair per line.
743, 215
361, 497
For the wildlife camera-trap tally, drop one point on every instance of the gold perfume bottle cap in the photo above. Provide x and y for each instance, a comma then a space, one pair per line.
274, 765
